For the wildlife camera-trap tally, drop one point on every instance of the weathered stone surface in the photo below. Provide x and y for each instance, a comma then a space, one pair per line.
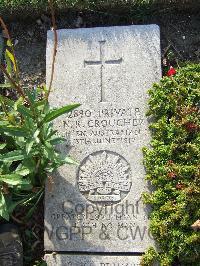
91, 260
97, 205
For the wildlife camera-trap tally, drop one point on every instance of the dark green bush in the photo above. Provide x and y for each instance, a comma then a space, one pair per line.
172, 165
26, 7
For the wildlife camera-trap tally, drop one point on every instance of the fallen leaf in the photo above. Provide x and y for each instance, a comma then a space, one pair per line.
196, 226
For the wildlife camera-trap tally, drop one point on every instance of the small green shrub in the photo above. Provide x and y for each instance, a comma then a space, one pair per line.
28, 141
172, 165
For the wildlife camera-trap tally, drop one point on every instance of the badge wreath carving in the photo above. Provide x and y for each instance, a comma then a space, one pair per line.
104, 177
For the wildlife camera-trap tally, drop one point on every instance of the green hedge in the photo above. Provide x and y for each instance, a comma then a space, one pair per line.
27, 7
172, 165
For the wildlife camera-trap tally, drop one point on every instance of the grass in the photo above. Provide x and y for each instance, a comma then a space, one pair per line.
26, 7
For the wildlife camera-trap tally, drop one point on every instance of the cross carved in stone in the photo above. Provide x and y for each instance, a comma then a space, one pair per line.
102, 62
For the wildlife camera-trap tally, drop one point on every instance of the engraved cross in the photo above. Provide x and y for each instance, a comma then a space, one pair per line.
102, 62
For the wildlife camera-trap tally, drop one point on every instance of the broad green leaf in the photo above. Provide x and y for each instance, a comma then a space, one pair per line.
52, 133
9, 44
51, 168
57, 140
5, 167
29, 125
35, 135
13, 131
47, 131
59, 111
70, 160
31, 95
7, 100
20, 141
3, 207
25, 186
11, 57
6, 85
14, 179
29, 146
24, 111
40, 103
18, 103
4, 123
23, 171
2, 146
30, 164
49, 151
46, 108
12, 156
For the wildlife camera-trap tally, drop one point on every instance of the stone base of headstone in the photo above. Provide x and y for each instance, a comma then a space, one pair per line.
91, 260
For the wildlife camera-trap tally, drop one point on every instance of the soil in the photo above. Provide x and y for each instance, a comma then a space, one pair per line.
180, 36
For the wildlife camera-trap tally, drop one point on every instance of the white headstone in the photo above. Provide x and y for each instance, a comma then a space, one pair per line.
96, 206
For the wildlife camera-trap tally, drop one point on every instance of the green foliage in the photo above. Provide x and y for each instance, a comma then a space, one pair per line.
27, 144
7, 6
40, 263
64, 3
172, 165
28, 151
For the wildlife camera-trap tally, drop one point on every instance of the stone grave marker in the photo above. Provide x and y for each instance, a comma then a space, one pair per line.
96, 206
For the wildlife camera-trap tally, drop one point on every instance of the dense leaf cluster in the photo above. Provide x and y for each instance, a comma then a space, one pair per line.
172, 165
27, 149
16, 6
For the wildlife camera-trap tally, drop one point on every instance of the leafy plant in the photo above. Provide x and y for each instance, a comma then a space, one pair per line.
28, 151
172, 166
15, 5
28, 141
40, 263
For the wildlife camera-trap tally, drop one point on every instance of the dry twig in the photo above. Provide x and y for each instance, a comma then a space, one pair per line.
11, 80
55, 45
4, 27
16, 219
3, 69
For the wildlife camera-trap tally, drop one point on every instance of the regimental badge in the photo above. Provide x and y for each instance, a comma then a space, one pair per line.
104, 177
